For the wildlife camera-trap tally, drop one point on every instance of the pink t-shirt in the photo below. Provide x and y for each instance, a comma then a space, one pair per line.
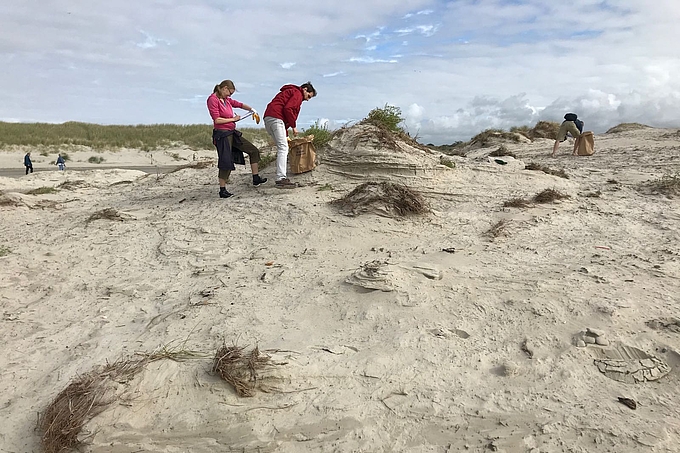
222, 109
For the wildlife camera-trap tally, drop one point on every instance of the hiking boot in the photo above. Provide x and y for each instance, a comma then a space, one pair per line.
225, 194
257, 181
285, 183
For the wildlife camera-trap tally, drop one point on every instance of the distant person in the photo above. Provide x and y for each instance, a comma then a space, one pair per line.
61, 163
27, 163
281, 114
229, 142
571, 125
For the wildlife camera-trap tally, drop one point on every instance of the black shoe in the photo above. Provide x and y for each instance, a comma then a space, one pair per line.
225, 194
258, 181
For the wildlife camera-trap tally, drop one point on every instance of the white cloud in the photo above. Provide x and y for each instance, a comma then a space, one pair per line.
425, 30
464, 65
151, 41
371, 60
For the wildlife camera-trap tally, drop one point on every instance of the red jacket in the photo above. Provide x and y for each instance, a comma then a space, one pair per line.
286, 105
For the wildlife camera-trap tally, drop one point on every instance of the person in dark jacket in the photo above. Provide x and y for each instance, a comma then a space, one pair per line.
229, 142
61, 163
281, 114
571, 125
27, 163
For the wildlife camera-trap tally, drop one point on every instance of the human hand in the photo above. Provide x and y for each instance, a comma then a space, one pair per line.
237, 118
295, 131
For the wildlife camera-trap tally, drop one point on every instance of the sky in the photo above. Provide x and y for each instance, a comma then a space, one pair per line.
454, 68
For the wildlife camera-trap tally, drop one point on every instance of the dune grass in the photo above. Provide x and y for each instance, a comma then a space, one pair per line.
624, 127
447, 162
502, 151
97, 136
498, 229
4, 251
668, 185
42, 191
517, 202
545, 169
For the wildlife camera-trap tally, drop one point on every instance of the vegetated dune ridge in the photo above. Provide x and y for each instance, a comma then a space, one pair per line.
470, 327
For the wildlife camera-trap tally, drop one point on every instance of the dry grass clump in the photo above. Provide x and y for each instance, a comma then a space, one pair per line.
241, 368
502, 151
498, 229
4, 251
546, 196
85, 397
517, 202
71, 185
384, 198
624, 127
668, 185
549, 196
545, 169
41, 191
523, 130
106, 214
198, 165
90, 394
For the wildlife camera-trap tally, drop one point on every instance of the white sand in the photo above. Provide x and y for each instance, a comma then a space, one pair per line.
435, 365
44, 159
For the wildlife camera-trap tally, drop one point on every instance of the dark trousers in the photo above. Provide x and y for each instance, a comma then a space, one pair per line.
246, 147
29, 168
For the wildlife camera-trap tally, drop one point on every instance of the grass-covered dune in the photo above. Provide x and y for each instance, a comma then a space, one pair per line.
97, 136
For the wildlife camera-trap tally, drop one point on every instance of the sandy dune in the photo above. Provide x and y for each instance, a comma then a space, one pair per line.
482, 347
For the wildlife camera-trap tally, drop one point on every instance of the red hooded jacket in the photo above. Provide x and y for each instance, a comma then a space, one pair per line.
286, 105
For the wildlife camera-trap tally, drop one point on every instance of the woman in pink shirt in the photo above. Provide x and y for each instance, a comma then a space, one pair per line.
229, 142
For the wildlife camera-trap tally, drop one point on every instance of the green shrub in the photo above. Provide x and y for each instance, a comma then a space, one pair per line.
65, 156
266, 159
447, 162
4, 251
322, 136
95, 159
388, 117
